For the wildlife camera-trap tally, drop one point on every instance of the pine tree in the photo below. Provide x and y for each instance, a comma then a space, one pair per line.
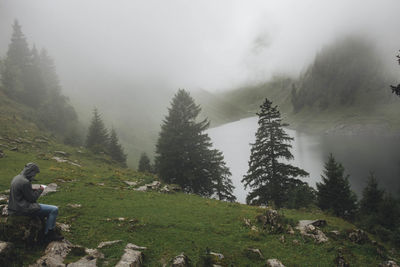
222, 182
55, 112
334, 191
183, 149
144, 163
15, 64
396, 89
97, 137
268, 177
372, 197
115, 150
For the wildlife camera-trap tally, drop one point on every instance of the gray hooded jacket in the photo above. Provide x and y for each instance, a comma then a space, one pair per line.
23, 198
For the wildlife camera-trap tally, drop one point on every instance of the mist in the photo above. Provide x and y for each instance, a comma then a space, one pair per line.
208, 44
129, 57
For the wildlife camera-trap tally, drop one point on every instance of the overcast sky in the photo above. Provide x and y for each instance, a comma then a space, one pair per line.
209, 44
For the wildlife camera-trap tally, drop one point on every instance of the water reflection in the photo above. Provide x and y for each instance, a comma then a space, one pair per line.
358, 154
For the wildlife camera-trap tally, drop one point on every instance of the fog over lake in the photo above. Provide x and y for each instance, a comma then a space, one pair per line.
358, 154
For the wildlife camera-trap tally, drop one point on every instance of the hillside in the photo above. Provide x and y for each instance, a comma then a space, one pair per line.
346, 90
167, 224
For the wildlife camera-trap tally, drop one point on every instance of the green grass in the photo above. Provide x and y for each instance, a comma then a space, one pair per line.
167, 224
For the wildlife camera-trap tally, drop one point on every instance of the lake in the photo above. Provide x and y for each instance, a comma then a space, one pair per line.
359, 155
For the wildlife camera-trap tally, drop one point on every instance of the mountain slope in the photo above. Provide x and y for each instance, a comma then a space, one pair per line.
167, 224
344, 91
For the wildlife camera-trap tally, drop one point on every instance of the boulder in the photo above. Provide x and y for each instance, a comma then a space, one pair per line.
89, 260
274, 263
181, 261
14, 149
272, 221
108, 243
130, 183
24, 230
2, 155
307, 228
63, 227
131, 257
358, 236
55, 254
389, 264
7, 254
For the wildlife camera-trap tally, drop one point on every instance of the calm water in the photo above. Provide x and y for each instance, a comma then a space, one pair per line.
358, 154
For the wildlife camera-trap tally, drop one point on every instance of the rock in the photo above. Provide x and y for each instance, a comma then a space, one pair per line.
165, 190
61, 153
61, 160
14, 149
254, 228
2, 155
247, 222
290, 230
101, 184
181, 261
131, 258
254, 253
74, 206
4, 211
130, 183
358, 236
296, 242
135, 247
274, 263
51, 188
319, 223
63, 227
7, 252
22, 230
218, 256
153, 186
89, 260
282, 239
271, 221
55, 254
108, 243
389, 264
307, 228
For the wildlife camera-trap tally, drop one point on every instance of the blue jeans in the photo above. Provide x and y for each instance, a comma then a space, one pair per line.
49, 212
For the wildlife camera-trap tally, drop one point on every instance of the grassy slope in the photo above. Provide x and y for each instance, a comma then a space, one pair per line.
167, 224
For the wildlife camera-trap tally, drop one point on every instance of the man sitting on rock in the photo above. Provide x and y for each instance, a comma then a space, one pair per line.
23, 201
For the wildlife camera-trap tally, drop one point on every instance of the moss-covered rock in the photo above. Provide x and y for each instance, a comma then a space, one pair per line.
22, 230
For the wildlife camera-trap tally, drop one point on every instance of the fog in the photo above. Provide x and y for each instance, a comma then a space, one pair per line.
214, 45
129, 57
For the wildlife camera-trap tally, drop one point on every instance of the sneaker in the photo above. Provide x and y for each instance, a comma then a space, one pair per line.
53, 236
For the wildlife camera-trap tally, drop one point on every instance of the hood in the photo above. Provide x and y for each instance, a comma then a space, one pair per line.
30, 170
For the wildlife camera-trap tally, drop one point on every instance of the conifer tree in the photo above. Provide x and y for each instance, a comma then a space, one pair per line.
15, 64
97, 137
372, 196
269, 178
396, 88
334, 191
144, 163
221, 173
115, 150
183, 149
